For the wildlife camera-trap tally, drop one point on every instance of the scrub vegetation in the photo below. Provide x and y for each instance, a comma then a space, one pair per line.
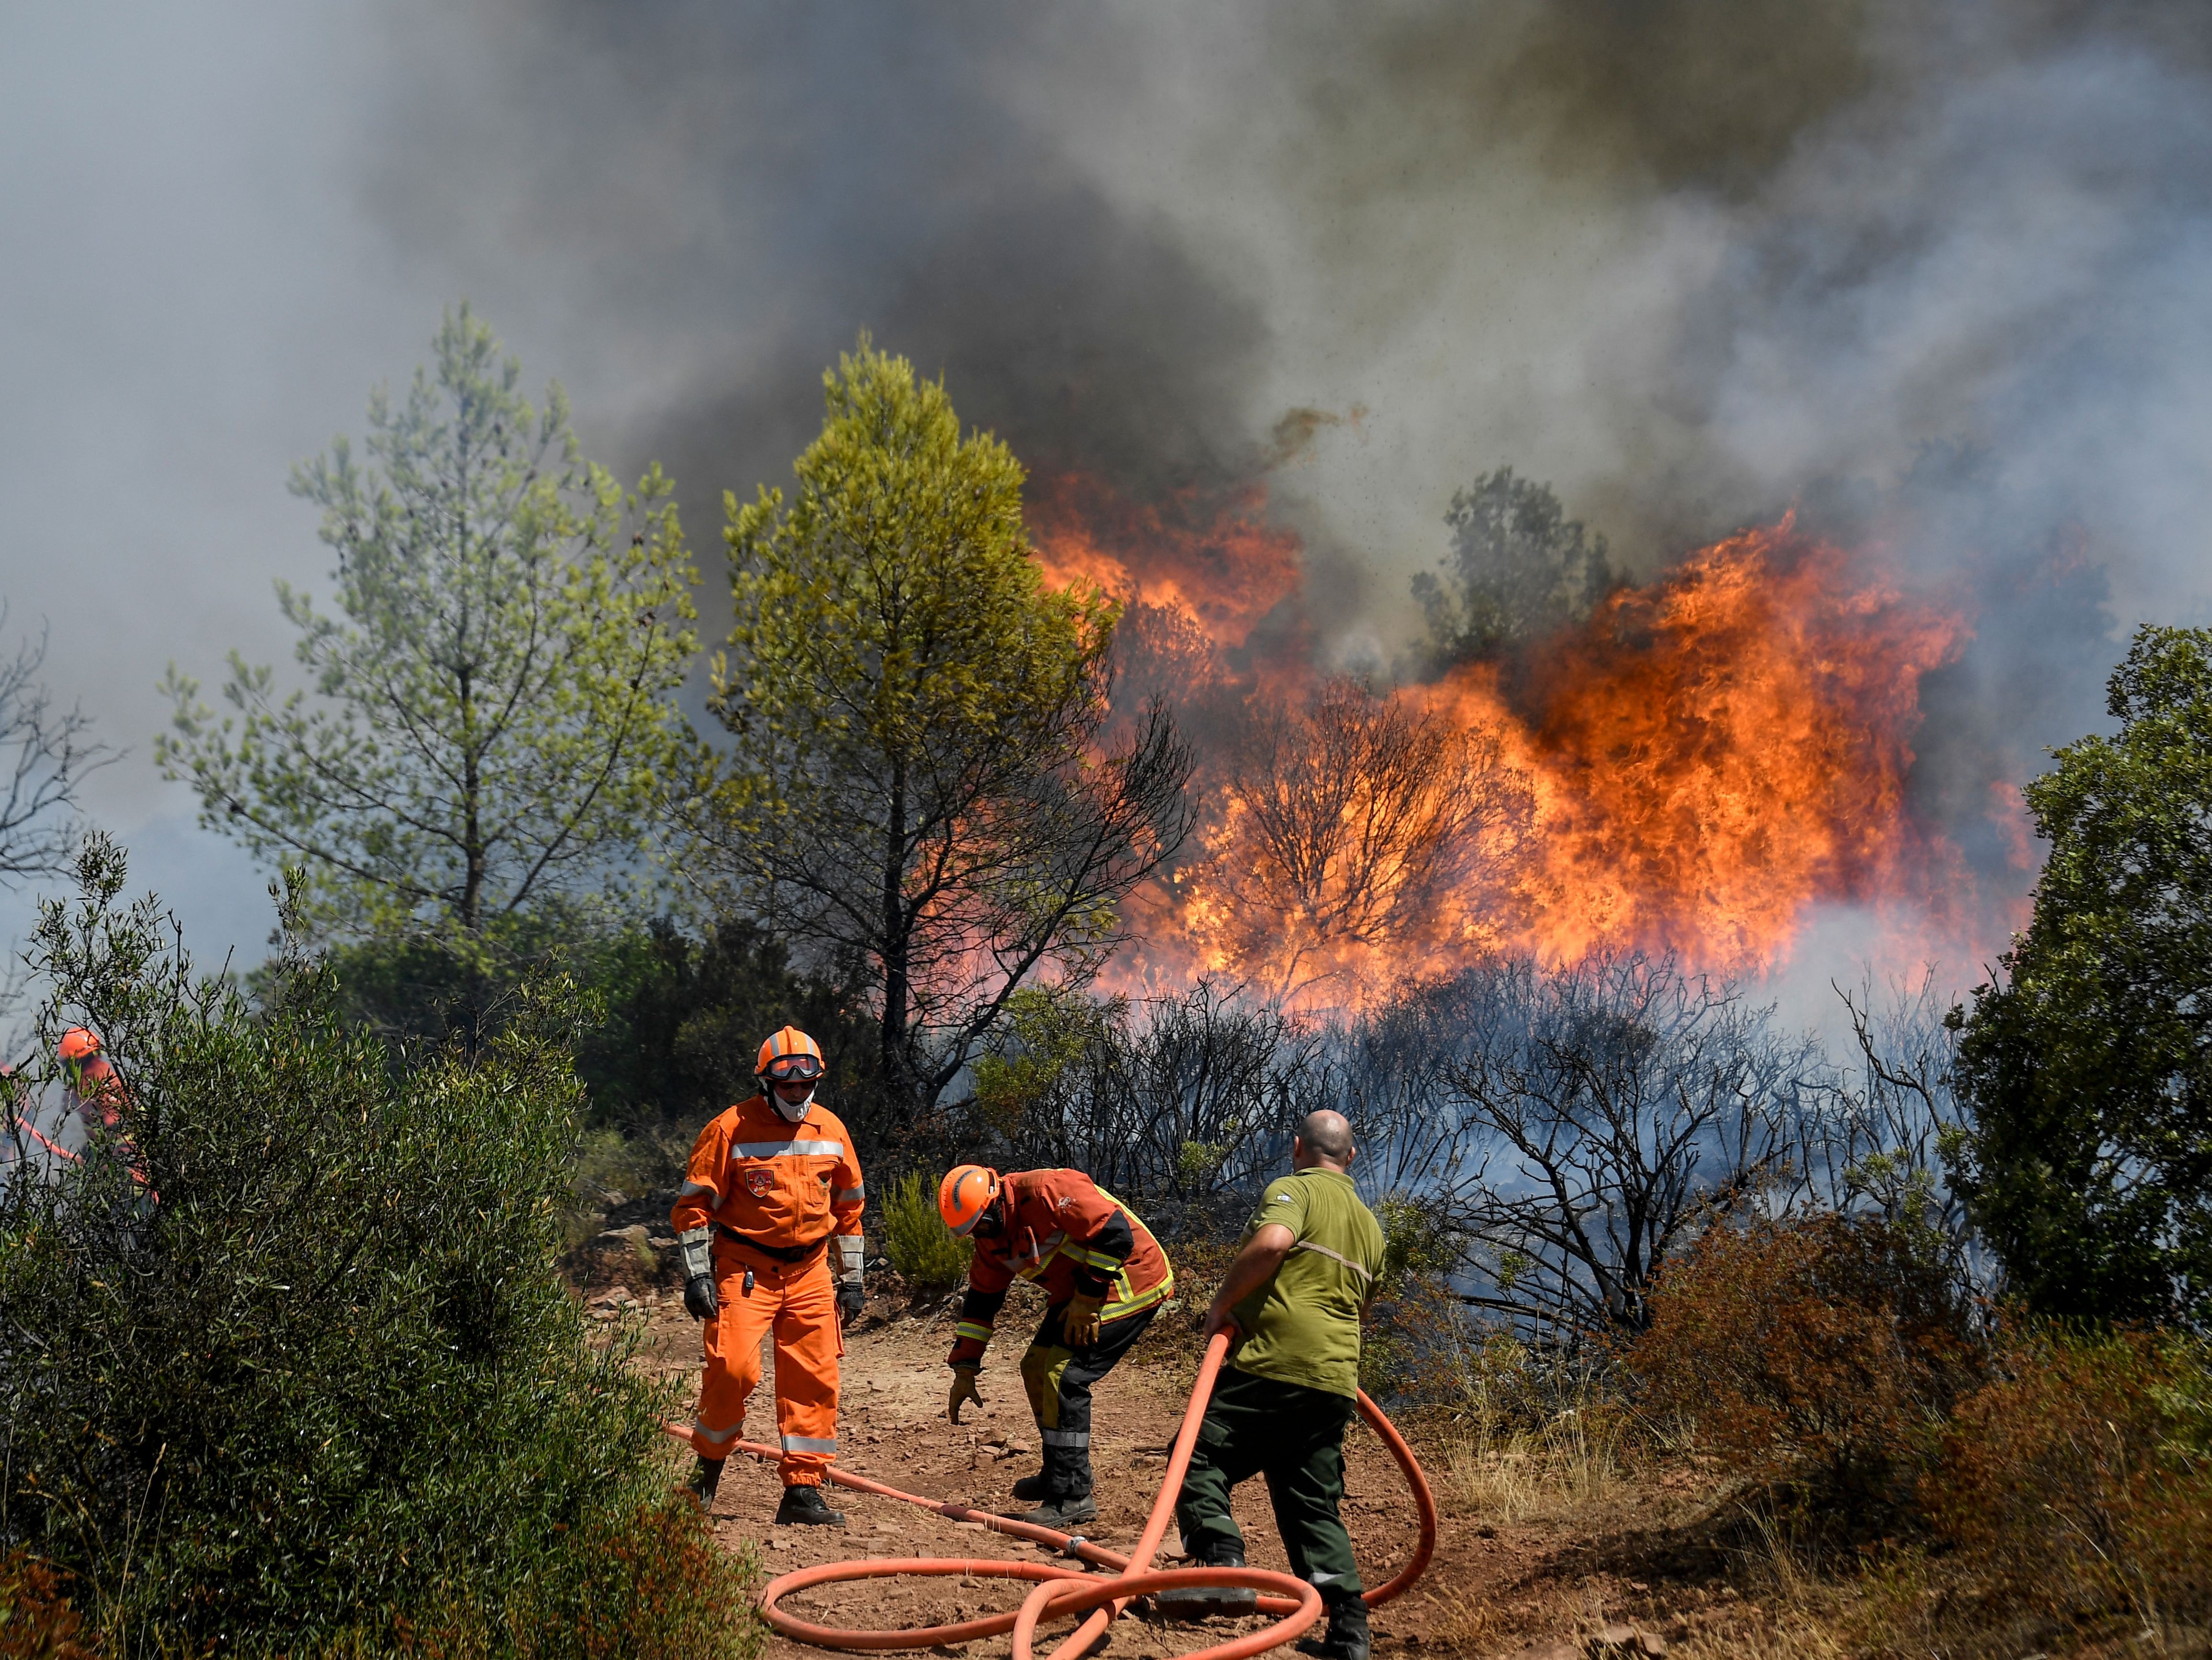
921, 1249
287, 1364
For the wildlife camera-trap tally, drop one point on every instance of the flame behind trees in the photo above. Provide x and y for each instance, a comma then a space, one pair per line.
1359, 819
914, 787
1688, 766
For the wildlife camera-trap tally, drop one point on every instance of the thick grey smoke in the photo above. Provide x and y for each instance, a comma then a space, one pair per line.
1933, 271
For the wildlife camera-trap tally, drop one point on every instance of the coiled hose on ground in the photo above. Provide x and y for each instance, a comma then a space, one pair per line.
1063, 1591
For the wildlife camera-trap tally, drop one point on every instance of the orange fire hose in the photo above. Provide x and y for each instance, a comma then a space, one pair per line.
1062, 1591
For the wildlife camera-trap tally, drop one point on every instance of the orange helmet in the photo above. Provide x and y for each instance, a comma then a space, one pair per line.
966, 1192
791, 1056
77, 1043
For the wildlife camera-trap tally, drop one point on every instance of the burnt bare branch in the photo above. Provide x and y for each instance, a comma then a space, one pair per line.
1363, 815
50, 750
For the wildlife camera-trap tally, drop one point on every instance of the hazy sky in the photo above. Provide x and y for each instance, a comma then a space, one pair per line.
1939, 270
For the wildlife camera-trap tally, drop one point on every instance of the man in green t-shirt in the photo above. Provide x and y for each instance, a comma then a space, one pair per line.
1292, 1301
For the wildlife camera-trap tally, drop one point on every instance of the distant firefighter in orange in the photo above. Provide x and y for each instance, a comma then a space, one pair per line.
96, 1095
768, 1223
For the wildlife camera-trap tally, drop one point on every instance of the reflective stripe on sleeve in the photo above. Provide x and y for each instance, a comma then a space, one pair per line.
1067, 1437
847, 1195
1137, 1304
691, 1187
810, 1443
781, 1149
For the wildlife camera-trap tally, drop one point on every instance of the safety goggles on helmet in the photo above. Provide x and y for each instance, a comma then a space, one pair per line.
789, 1057
793, 1069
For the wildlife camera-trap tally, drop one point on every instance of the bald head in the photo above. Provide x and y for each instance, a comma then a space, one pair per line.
1323, 1138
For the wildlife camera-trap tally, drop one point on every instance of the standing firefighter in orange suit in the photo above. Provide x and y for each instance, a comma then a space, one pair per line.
768, 1222
1103, 1277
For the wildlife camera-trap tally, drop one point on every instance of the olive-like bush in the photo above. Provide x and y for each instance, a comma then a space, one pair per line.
925, 1253
287, 1363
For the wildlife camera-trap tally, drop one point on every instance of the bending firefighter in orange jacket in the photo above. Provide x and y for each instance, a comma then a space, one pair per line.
768, 1222
1104, 1276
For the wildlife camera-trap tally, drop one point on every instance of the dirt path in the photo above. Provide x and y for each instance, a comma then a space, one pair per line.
1504, 1583
892, 1427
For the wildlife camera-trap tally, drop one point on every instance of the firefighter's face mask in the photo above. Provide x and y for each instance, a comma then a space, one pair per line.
791, 1080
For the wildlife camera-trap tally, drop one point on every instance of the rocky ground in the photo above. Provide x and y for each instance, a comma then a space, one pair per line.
1620, 1572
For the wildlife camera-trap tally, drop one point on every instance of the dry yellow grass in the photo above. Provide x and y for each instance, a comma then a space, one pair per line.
1550, 1473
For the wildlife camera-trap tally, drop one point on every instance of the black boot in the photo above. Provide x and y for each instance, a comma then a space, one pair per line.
1347, 1637
1066, 1510
803, 1507
1030, 1488
706, 1476
1197, 1601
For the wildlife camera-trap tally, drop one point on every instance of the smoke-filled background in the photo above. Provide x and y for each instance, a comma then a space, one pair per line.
1934, 273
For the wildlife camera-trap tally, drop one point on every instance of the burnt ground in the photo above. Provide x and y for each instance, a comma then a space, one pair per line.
1504, 1582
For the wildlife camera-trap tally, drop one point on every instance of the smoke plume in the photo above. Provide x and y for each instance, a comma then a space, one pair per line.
1928, 272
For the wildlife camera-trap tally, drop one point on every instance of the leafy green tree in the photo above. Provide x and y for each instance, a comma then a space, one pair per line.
486, 720
2089, 1067
1519, 569
916, 788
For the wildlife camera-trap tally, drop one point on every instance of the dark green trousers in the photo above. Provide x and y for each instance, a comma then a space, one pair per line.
1292, 1435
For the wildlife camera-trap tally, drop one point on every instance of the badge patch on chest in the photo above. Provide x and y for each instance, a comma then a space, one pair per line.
758, 1180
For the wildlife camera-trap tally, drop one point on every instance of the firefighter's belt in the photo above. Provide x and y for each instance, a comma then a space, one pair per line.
785, 1255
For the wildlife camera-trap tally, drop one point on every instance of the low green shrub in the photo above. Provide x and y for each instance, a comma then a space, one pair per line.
287, 1362
925, 1253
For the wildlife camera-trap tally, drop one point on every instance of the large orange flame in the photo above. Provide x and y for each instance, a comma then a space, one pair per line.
1707, 760
1212, 561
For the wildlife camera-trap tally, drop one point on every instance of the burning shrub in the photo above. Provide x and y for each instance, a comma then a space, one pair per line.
2080, 1481
1361, 818
1822, 1352
328, 1383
